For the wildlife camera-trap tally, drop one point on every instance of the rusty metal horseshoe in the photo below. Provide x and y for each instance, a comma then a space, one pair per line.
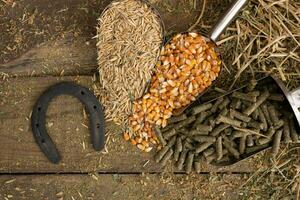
92, 105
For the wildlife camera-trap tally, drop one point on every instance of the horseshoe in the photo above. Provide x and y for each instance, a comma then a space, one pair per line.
38, 118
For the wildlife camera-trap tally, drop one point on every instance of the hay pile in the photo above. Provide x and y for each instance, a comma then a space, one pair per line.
265, 38
129, 37
279, 180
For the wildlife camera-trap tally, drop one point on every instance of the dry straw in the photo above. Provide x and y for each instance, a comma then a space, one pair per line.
129, 36
265, 38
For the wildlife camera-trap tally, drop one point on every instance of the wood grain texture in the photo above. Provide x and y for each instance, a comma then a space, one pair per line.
67, 56
67, 127
119, 187
60, 36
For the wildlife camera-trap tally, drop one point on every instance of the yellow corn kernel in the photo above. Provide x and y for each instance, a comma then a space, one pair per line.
138, 139
174, 92
133, 142
126, 136
190, 88
164, 123
148, 149
141, 147
153, 141
158, 122
171, 83
145, 143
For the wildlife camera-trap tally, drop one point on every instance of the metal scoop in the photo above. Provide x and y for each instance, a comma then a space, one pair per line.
292, 98
216, 31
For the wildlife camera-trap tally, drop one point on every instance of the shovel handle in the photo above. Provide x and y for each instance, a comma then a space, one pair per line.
226, 19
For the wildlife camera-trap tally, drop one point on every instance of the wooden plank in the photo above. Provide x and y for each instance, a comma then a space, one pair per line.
134, 187
67, 56
65, 120
19, 153
29, 23
55, 21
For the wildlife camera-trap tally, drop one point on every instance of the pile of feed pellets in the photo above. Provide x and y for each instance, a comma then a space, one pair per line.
229, 128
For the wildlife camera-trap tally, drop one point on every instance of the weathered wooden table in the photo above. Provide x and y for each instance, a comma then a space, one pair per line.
119, 172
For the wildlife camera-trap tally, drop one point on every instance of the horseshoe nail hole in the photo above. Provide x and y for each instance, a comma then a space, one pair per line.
98, 125
94, 107
39, 108
37, 125
82, 93
43, 141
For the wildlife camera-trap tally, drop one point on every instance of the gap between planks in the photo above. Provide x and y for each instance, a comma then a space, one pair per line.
116, 172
